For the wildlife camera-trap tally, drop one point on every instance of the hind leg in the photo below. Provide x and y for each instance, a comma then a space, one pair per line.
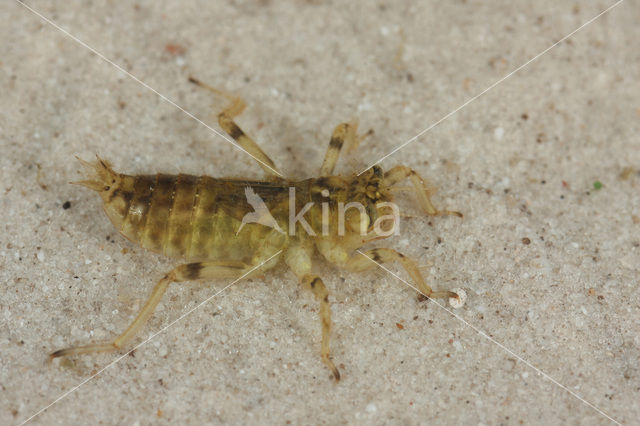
186, 272
225, 119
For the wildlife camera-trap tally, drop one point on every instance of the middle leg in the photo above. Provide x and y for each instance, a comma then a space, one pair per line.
299, 260
321, 294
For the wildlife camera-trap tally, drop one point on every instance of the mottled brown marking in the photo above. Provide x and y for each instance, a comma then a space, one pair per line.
234, 131
239, 267
209, 201
58, 353
164, 193
136, 217
322, 182
192, 271
160, 208
181, 218
336, 143
185, 184
314, 282
143, 187
120, 201
127, 196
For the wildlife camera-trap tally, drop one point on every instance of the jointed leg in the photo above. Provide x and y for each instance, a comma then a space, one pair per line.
322, 295
358, 263
225, 119
186, 272
399, 173
343, 133
299, 260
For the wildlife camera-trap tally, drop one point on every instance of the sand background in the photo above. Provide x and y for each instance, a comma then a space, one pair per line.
550, 263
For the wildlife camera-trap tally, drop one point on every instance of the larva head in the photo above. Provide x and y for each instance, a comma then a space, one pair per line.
372, 186
349, 205
357, 200
370, 190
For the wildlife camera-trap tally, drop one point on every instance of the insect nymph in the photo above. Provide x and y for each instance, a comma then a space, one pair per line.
202, 220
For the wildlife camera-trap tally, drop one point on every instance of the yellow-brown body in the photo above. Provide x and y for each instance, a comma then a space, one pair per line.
197, 218
217, 226
193, 218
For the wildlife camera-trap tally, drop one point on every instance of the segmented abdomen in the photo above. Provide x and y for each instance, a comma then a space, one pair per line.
177, 215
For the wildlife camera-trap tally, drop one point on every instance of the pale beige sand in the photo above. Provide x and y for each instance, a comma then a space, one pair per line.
550, 264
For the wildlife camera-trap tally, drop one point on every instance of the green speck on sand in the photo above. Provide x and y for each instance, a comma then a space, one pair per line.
597, 185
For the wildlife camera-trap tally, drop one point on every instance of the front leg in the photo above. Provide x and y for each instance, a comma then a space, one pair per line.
399, 173
366, 260
362, 261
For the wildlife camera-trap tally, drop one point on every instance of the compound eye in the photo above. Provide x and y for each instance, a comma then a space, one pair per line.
377, 171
